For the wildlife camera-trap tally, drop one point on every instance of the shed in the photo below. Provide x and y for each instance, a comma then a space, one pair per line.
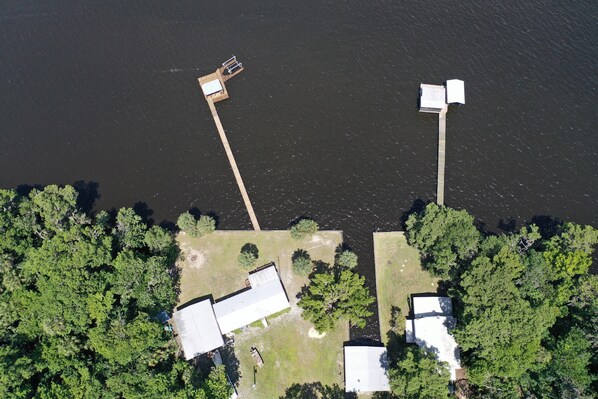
432, 98
455, 91
251, 305
366, 369
197, 329
211, 87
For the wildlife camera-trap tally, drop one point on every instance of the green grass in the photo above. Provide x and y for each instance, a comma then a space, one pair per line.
208, 265
398, 275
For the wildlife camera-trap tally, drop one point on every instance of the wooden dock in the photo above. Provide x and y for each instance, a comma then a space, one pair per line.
210, 85
441, 156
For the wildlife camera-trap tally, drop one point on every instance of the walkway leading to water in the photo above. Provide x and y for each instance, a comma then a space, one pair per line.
233, 165
441, 156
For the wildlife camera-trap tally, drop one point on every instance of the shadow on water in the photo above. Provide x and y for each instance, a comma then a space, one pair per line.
88, 195
144, 211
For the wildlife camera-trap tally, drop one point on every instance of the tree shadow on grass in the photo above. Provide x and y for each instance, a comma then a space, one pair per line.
315, 390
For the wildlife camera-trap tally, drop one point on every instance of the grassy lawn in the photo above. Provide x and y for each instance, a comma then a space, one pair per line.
209, 266
398, 275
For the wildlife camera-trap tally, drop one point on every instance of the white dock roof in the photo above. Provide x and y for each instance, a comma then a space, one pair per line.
366, 369
432, 97
251, 305
197, 328
211, 87
455, 91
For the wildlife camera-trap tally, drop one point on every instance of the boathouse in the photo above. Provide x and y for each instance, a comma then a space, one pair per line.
435, 98
431, 328
366, 369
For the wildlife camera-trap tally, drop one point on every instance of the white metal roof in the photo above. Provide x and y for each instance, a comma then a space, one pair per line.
251, 305
432, 96
263, 276
455, 91
211, 87
197, 328
409, 332
366, 369
433, 334
432, 306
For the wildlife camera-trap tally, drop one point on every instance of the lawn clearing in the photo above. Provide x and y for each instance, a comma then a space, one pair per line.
208, 265
398, 275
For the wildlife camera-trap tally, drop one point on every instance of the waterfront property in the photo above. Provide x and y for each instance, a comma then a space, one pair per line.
366, 369
430, 329
214, 90
291, 355
398, 276
436, 99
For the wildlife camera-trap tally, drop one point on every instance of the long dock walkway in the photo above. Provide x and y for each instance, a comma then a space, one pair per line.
233, 165
441, 156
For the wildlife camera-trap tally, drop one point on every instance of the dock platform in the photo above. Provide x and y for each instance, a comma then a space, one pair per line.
441, 156
214, 90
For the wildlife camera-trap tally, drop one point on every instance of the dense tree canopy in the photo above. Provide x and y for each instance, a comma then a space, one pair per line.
419, 375
196, 228
526, 305
444, 236
78, 300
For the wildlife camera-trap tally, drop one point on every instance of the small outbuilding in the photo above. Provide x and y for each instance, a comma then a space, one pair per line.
436, 98
197, 329
455, 91
366, 369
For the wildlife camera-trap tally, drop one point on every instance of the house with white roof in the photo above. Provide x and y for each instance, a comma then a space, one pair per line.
431, 329
198, 329
200, 325
366, 369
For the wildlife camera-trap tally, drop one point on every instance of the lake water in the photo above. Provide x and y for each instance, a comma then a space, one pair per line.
323, 121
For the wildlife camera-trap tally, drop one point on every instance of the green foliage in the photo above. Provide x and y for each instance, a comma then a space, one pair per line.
129, 229
443, 236
248, 256
302, 263
334, 296
217, 385
205, 225
316, 390
346, 259
76, 310
196, 228
303, 229
419, 375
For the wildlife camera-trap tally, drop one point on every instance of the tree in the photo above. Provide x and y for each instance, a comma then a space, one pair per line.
205, 225
217, 385
303, 229
346, 259
419, 375
302, 263
187, 223
130, 229
334, 296
248, 256
196, 228
77, 311
443, 236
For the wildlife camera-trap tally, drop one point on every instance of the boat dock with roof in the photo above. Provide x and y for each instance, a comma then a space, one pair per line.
214, 90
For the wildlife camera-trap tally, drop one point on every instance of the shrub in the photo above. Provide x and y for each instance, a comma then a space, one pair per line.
302, 263
303, 228
248, 256
346, 259
205, 225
